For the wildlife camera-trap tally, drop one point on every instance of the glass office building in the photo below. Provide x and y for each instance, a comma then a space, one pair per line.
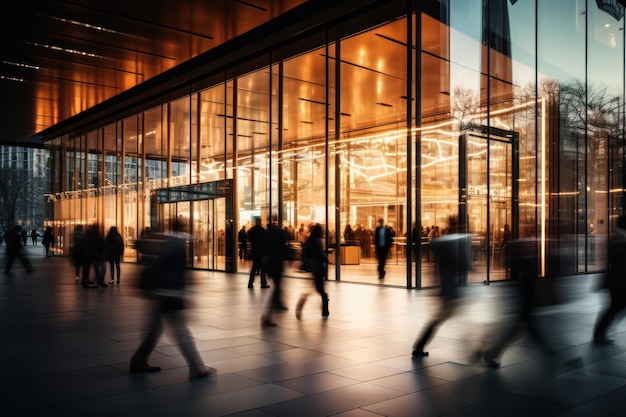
506, 113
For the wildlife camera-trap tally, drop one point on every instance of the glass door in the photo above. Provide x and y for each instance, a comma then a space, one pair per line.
487, 196
201, 234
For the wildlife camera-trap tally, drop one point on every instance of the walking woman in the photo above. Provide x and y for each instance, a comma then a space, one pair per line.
316, 262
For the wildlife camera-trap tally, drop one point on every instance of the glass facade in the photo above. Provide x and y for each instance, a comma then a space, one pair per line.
508, 114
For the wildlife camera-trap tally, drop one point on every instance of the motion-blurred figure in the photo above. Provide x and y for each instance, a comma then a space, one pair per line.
275, 256
78, 250
316, 260
615, 282
15, 250
94, 256
450, 253
523, 255
163, 282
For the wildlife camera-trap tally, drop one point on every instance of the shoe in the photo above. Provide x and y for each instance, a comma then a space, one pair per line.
419, 354
491, 363
265, 286
118, 281
250, 286
136, 369
204, 373
603, 340
112, 282
90, 285
325, 312
265, 322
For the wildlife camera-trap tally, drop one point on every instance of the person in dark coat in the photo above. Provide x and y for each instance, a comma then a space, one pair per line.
114, 249
78, 250
316, 260
15, 250
48, 239
165, 269
274, 259
33, 236
452, 265
242, 239
383, 239
94, 256
24, 236
257, 235
615, 282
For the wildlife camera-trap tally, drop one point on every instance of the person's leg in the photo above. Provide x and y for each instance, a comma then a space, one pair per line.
7, 267
186, 344
117, 267
112, 268
319, 287
253, 270
444, 312
604, 321
139, 361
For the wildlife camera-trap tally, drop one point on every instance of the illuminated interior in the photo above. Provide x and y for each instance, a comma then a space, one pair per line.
348, 133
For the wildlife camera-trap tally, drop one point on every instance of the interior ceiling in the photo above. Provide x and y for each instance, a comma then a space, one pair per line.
59, 58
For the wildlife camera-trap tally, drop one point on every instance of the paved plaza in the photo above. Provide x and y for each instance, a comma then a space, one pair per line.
65, 351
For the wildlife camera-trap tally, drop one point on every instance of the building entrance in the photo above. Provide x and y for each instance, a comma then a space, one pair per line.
206, 211
476, 179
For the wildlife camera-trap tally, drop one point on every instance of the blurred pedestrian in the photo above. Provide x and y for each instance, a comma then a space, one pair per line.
77, 250
24, 236
274, 259
452, 265
383, 240
15, 250
94, 256
114, 244
524, 260
614, 282
163, 280
316, 261
33, 236
48, 239
257, 235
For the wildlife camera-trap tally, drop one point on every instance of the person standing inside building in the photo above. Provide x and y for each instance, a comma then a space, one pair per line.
33, 236
383, 240
316, 261
242, 239
257, 235
15, 250
164, 277
114, 249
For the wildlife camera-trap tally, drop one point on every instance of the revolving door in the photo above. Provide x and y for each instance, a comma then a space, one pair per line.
206, 214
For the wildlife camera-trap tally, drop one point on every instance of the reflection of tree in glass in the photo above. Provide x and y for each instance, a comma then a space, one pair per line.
20, 194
